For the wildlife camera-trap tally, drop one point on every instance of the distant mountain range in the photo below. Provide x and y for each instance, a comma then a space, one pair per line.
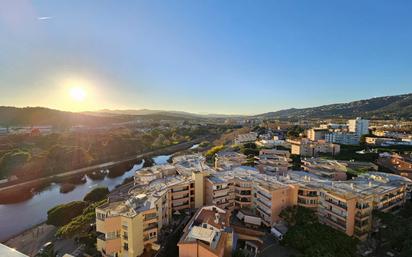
386, 107
180, 114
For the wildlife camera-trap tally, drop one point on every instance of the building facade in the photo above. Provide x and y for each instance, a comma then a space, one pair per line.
132, 220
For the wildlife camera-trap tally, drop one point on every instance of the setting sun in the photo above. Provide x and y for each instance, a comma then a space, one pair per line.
77, 94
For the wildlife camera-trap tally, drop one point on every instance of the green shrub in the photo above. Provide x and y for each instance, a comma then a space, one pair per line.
96, 195
62, 214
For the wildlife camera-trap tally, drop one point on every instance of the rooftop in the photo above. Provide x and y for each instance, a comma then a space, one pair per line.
6, 251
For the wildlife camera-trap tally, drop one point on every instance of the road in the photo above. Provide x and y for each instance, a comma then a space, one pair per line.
102, 165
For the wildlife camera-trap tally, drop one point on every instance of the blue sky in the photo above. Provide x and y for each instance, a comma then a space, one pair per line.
237, 57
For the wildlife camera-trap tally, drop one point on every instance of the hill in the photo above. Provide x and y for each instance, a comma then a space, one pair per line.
35, 116
29, 116
386, 107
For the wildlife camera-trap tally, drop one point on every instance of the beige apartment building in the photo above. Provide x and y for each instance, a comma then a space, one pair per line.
206, 234
132, 220
330, 169
305, 147
273, 162
127, 226
315, 134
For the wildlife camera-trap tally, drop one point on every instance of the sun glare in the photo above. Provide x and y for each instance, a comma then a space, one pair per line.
78, 94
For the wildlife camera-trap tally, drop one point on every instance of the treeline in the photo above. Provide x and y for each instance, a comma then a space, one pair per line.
31, 157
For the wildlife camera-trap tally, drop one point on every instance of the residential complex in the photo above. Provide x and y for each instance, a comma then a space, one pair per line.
228, 159
305, 147
388, 141
350, 136
207, 234
330, 169
273, 161
358, 126
399, 164
132, 219
246, 138
315, 134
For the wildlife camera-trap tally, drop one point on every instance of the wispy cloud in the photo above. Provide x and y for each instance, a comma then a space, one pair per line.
41, 18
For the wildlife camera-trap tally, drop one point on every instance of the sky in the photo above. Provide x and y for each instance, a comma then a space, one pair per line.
203, 56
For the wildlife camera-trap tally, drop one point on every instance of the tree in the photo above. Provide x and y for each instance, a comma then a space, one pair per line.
148, 162
80, 224
12, 160
296, 215
96, 195
62, 214
308, 236
294, 131
397, 230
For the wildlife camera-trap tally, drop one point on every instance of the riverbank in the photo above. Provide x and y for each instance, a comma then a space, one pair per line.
26, 214
25, 190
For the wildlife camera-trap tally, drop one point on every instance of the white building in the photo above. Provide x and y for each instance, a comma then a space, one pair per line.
342, 138
359, 126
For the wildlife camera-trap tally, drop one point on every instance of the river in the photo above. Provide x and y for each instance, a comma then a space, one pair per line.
17, 217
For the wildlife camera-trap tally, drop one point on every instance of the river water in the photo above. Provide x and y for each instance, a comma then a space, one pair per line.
17, 217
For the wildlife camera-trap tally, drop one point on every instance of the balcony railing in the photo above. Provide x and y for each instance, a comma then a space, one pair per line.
264, 211
264, 195
341, 205
180, 189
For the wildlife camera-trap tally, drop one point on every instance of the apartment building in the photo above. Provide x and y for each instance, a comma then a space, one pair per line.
315, 134
387, 141
358, 126
246, 138
128, 225
207, 234
226, 160
187, 164
331, 169
399, 164
305, 147
131, 221
343, 138
273, 162
347, 205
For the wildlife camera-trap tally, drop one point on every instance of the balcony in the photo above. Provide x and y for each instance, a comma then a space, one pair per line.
267, 212
180, 196
176, 190
101, 236
363, 214
334, 223
334, 212
266, 204
181, 207
151, 227
264, 195
338, 204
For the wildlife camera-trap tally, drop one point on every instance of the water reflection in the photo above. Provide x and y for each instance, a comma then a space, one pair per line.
17, 217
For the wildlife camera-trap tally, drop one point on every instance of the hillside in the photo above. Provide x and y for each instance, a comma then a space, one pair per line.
28, 116
177, 114
387, 107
